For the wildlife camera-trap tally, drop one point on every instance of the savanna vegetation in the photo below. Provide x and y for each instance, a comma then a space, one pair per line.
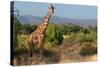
63, 43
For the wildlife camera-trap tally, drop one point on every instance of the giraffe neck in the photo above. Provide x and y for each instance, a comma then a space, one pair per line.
43, 25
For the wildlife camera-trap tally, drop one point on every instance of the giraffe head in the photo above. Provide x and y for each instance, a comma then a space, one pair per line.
51, 10
45, 21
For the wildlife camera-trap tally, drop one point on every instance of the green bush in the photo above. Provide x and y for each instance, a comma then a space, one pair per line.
88, 50
16, 28
67, 29
76, 38
23, 41
81, 37
53, 35
27, 28
92, 36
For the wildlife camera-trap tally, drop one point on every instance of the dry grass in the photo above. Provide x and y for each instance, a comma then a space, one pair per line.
65, 53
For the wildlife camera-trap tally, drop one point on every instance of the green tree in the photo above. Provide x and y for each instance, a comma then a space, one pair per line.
53, 35
16, 29
91, 37
27, 28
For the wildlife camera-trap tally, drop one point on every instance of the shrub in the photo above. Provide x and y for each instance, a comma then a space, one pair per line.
76, 38
92, 36
23, 41
27, 28
16, 28
88, 50
53, 35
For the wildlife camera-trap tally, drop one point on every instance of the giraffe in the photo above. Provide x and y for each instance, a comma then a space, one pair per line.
37, 37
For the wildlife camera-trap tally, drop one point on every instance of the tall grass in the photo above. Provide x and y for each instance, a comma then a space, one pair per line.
23, 41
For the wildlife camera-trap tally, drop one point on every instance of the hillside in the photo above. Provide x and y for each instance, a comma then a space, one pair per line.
36, 20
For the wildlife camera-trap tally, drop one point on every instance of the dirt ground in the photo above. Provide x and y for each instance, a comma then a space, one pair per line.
61, 54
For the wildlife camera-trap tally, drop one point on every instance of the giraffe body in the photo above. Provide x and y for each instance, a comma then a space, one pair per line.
36, 38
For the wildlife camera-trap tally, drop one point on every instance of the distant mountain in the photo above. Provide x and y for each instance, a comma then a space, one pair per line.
36, 20
29, 19
81, 22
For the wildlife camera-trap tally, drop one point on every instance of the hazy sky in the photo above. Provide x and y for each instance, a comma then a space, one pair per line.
62, 10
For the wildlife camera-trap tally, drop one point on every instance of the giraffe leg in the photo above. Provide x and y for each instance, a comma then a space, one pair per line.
41, 53
30, 52
30, 49
41, 48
